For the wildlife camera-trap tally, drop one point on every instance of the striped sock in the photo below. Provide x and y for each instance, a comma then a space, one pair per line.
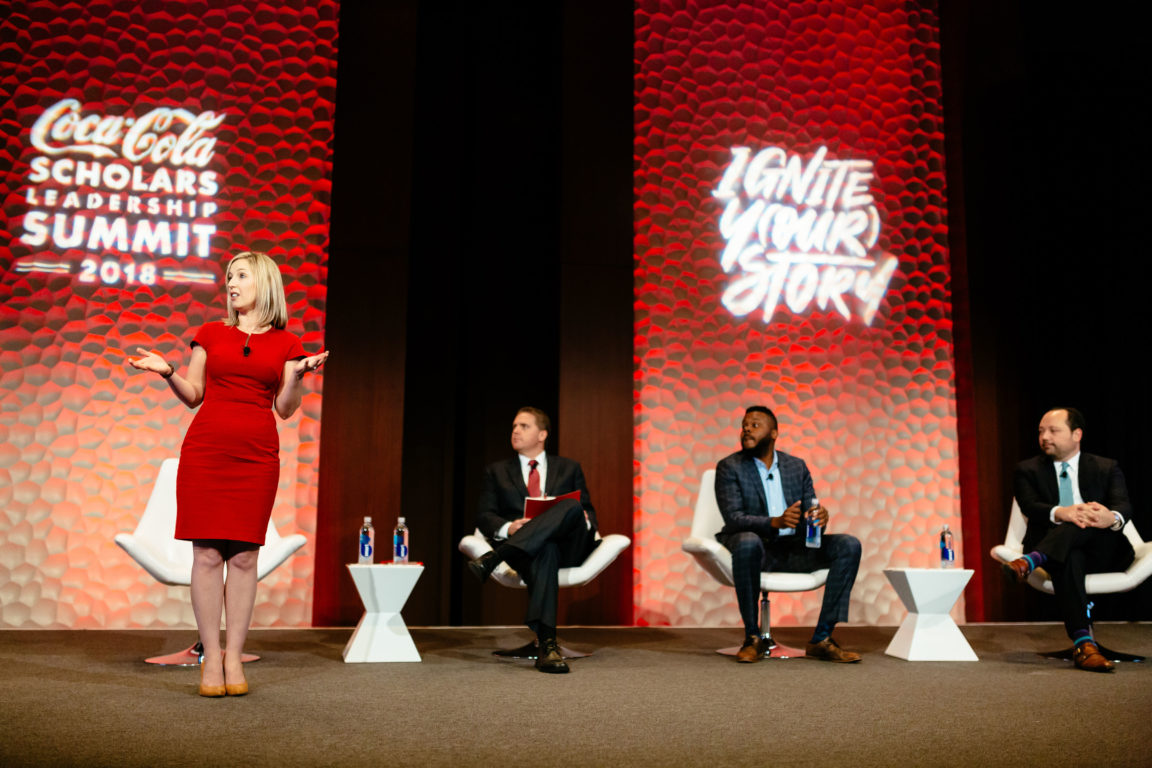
1036, 559
1081, 636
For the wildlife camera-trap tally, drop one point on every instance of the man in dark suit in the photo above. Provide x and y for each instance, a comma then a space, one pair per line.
763, 496
1076, 505
560, 537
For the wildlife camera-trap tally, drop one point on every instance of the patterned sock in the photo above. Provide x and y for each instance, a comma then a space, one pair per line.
1036, 559
1080, 636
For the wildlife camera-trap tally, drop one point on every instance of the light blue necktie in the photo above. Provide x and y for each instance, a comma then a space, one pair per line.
1065, 485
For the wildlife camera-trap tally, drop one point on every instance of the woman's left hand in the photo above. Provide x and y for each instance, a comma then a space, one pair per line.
309, 364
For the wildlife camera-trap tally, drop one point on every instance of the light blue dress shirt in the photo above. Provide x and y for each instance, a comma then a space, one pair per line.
774, 490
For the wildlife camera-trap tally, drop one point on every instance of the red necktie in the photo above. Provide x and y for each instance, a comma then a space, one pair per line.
533, 479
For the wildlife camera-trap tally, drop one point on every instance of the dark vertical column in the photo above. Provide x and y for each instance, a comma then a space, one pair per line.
1050, 196
483, 294
953, 34
362, 422
596, 360
435, 363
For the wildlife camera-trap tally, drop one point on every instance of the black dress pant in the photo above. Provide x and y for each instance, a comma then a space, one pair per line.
557, 538
1074, 552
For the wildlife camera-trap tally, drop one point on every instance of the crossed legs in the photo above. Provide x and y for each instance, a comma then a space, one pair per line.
1073, 552
557, 538
236, 597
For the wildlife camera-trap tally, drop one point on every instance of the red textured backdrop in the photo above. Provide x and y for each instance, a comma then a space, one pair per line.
867, 401
80, 438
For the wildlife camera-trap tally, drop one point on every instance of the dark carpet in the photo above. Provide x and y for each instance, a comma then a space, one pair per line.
646, 697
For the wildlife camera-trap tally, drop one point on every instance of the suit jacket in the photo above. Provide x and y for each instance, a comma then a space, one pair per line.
740, 493
503, 493
1037, 491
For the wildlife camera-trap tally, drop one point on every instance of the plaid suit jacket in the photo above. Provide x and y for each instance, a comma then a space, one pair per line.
740, 493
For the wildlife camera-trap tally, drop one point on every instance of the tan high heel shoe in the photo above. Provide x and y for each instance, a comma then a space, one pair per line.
211, 691
236, 689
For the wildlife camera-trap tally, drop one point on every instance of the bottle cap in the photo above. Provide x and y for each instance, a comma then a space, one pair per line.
367, 518
401, 520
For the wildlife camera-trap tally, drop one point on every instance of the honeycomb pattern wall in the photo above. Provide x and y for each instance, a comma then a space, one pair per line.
82, 438
867, 401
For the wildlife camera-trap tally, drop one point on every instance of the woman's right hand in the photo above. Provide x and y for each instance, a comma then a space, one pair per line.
150, 360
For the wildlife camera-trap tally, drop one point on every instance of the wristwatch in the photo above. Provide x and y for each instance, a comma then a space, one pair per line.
1119, 521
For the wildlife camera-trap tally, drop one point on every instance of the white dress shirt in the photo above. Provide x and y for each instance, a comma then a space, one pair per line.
541, 467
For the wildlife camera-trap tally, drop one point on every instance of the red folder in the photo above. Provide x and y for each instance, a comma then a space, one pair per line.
533, 507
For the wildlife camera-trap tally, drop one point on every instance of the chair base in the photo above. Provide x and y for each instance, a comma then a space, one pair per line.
1066, 654
531, 651
190, 657
775, 650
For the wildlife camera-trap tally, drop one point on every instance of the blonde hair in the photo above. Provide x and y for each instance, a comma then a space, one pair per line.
271, 308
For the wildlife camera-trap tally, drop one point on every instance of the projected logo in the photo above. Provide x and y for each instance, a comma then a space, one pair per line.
139, 187
801, 233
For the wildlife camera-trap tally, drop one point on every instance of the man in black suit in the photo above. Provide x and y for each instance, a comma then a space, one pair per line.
560, 537
763, 496
1076, 505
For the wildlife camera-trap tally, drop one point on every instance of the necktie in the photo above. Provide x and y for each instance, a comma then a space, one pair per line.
1065, 485
533, 479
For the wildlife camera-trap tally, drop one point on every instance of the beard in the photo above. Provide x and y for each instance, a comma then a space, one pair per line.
759, 446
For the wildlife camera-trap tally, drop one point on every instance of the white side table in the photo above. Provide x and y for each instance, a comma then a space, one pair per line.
928, 632
381, 634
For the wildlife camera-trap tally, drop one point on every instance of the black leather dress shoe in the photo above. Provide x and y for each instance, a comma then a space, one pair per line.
548, 658
483, 566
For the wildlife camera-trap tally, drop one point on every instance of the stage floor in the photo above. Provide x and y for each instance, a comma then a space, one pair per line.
646, 697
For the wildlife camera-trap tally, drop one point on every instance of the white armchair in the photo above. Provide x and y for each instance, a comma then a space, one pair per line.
474, 545
1094, 583
153, 546
715, 558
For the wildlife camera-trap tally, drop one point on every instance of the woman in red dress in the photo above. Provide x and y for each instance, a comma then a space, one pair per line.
241, 370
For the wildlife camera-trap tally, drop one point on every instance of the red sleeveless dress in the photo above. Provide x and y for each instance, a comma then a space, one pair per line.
230, 458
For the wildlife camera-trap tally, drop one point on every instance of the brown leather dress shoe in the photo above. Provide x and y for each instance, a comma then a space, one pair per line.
1017, 570
1087, 656
752, 650
829, 650
549, 658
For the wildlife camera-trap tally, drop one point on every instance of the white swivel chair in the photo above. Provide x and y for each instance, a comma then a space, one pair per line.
715, 558
1094, 583
169, 560
610, 547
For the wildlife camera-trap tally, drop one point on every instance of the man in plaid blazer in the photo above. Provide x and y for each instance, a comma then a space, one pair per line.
764, 495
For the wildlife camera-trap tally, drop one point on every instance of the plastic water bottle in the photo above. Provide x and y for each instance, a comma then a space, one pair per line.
400, 542
367, 542
814, 534
947, 550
